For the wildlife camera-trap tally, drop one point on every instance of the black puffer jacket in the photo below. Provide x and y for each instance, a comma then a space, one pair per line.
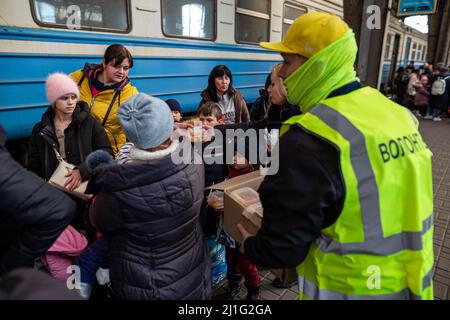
151, 211
32, 214
81, 137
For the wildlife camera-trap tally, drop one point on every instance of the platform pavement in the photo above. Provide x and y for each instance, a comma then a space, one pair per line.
437, 137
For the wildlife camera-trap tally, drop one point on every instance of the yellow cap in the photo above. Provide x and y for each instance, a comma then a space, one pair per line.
309, 34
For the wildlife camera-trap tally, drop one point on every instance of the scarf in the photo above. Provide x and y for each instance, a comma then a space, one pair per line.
326, 71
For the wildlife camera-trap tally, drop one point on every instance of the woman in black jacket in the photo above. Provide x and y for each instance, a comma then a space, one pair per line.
68, 128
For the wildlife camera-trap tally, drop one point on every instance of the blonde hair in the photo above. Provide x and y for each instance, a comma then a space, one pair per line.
275, 79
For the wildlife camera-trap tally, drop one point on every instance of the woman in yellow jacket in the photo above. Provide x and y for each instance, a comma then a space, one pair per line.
105, 87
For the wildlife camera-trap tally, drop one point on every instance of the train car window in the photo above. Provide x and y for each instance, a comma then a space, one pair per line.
189, 19
252, 21
95, 15
255, 5
291, 12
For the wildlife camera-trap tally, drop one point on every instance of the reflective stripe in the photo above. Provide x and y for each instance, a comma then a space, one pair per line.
368, 196
416, 122
309, 289
374, 243
367, 186
407, 240
426, 282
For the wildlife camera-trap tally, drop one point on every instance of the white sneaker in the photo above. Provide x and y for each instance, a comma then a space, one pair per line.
428, 117
102, 276
437, 119
85, 290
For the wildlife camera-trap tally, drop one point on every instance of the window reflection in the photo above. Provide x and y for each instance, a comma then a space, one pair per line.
98, 14
193, 20
189, 18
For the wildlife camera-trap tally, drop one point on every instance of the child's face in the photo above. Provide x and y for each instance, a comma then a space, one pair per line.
176, 115
210, 120
66, 104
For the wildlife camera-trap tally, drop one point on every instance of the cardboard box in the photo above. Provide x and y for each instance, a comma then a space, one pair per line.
234, 211
250, 216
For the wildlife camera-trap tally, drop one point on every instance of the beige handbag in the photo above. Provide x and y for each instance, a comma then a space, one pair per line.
59, 178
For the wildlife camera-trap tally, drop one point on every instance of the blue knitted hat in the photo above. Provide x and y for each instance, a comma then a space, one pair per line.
147, 121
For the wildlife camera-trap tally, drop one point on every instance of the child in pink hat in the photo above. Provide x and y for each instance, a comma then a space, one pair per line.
58, 85
67, 128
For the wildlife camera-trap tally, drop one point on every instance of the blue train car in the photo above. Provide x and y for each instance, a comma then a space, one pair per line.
175, 44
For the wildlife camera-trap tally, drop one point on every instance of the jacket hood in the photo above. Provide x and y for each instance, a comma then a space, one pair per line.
90, 70
326, 71
98, 158
117, 177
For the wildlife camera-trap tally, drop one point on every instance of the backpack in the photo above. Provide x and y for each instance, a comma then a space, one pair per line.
438, 87
411, 91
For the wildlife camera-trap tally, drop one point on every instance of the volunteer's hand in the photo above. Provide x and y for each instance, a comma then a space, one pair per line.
73, 179
245, 234
183, 125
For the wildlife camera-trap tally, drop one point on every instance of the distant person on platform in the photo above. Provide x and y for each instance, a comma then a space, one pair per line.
440, 93
352, 203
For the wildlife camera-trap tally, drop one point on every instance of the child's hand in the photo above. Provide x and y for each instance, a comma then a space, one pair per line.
73, 179
183, 125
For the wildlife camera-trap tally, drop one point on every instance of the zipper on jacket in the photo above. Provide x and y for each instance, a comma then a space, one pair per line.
91, 104
115, 142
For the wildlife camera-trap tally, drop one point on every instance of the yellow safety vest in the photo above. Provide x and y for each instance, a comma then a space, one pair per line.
381, 246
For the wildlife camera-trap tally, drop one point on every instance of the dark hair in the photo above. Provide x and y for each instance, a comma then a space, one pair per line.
174, 105
265, 92
210, 109
217, 72
440, 66
117, 53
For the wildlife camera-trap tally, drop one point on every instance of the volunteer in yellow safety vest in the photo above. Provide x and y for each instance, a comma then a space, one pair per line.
351, 205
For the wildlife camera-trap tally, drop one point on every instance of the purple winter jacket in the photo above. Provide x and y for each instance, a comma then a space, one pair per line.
421, 86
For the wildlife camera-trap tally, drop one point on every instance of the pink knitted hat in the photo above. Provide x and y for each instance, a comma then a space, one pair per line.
58, 85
